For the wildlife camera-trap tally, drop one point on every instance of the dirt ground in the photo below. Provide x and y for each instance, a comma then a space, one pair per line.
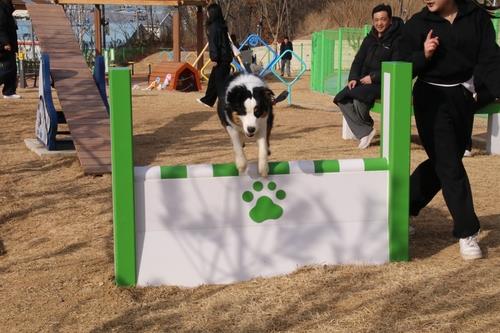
56, 243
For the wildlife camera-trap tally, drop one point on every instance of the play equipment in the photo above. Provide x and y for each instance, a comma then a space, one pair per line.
48, 118
289, 83
252, 41
203, 224
80, 98
184, 77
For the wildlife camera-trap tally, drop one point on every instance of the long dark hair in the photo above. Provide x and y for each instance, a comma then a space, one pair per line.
215, 15
487, 6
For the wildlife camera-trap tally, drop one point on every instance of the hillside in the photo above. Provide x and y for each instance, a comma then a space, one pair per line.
350, 13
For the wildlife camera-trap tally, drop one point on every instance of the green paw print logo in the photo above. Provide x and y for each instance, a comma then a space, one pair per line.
265, 208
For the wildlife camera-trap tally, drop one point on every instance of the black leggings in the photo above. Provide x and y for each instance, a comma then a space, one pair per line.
8, 74
216, 84
443, 117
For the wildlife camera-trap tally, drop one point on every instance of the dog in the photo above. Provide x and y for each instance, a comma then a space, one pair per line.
247, 112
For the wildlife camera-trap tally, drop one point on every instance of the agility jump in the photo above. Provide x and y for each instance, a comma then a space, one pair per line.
207, 224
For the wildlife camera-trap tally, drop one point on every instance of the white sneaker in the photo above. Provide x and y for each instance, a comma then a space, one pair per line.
468, 153
201, 102
367, 140
469, 248
15, 96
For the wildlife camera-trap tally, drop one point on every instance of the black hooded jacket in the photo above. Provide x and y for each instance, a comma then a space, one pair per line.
219, 45
466, 47
375, 50
368, 61
8, 26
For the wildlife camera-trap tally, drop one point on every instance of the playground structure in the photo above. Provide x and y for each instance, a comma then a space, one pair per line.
82, 105
250, 65
83, 95
183, 76
192, 225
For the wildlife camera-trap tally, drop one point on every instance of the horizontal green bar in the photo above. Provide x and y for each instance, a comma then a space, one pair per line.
173, 172
225, 170
279, 168
376, 164
327, 166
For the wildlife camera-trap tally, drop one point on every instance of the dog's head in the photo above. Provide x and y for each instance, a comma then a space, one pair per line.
252, 103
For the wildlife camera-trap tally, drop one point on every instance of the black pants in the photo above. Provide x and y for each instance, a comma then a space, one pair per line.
8, 74
216, 84
443, 117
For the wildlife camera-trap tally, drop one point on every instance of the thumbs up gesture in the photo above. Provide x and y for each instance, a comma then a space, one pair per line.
431, 44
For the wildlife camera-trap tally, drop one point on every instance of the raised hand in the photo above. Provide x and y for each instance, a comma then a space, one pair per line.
430, 45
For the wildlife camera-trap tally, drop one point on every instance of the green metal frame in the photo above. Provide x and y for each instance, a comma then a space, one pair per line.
123, 176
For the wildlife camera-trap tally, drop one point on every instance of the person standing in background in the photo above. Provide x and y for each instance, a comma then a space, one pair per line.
8, 50
287, 58
221, 56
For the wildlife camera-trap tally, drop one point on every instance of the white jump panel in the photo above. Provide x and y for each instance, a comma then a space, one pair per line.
221, 230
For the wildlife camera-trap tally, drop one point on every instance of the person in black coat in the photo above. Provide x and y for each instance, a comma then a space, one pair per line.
287, 58
448, 42
8, 49
363, 88
221, 55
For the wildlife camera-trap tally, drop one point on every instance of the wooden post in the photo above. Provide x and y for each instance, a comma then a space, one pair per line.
177, 35
97, 28
199, 35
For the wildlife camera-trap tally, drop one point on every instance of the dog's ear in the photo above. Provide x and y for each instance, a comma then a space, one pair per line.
236, 96
265, 96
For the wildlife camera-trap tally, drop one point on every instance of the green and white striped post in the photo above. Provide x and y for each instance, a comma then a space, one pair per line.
396, 115
123, 176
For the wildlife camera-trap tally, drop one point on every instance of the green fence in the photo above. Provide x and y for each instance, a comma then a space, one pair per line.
496, 23
333, 52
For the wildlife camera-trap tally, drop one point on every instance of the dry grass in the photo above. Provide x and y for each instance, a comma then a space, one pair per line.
56, 229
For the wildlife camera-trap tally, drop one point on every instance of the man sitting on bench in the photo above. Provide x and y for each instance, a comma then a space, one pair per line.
356, 100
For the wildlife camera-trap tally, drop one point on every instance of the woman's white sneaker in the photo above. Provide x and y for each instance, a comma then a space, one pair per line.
367, 140
469, 248
201, 102
15, 96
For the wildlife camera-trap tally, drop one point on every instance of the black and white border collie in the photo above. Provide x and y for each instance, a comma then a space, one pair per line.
248, 112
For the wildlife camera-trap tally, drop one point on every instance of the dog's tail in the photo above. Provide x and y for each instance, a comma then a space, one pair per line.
280, 98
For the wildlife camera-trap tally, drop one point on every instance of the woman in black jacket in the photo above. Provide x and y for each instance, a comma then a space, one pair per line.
356, 100
8, 49
446, 42
221, 55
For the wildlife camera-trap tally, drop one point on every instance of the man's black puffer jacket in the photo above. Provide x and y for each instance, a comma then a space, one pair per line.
219, 45
375, 50
368, 61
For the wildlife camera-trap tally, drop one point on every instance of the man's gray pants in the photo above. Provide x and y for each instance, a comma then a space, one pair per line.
357, 116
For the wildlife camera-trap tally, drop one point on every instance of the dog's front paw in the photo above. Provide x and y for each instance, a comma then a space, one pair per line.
264, 169
241, 164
